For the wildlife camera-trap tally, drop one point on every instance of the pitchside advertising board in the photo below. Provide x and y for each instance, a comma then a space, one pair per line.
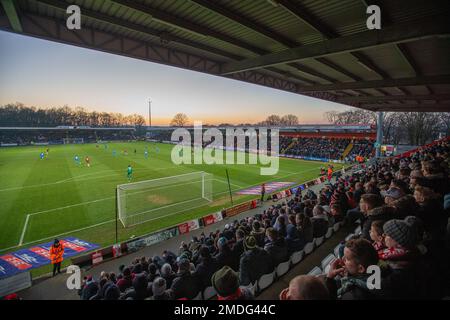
38, 256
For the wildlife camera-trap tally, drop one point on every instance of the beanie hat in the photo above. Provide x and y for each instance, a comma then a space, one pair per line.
249, 243
225, 281
166, 269
402, 232
222, 242
394, 193
184, 265
159, 286
112, 292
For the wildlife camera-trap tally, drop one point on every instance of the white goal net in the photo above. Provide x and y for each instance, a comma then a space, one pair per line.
73, 140
159, 198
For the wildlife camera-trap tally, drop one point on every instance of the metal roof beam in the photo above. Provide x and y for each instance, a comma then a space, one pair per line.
367, 39
420, 97
61, 5
11, 13
408, 108
245, 22
300, 12
176, 22
374, 84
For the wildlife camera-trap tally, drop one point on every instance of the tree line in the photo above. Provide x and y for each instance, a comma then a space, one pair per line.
415, 128
18, 114
181, 120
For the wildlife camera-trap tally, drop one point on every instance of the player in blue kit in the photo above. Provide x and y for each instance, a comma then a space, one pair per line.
41, 155
146, 154
77, 160
129, 172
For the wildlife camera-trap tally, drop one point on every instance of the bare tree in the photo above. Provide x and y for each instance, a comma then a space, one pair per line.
351, 116
179, 120
289, 120
273, 120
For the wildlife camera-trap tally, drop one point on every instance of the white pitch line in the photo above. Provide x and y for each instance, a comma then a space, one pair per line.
24, 229
61, 234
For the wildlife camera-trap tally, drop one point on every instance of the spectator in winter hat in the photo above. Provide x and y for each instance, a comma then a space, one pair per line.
400, 238
254, 262
159, 290
185, 285
226, 283
392, 194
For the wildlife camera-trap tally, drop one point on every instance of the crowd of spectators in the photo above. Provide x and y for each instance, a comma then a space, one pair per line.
399, 203
326, 148
363, 148
314, 147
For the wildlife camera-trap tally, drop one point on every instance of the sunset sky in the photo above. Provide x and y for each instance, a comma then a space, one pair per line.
44, 74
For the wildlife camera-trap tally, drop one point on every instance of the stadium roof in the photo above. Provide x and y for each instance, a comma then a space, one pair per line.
319, 48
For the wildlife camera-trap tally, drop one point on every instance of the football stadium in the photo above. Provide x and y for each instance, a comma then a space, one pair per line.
224, 150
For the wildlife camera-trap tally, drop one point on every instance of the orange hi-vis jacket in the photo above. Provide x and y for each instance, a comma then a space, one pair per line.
56, 253
330, 171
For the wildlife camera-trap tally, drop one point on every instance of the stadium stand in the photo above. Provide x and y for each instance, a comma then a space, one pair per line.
326, 148
248, 255
34, 135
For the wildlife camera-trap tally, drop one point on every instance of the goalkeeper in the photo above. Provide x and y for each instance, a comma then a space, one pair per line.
129, 172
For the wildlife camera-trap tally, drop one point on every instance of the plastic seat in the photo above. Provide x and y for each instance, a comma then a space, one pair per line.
329, 233
297, 256
336, 251
266, 280
325, 264
198, 296
349, 236
309, 247
336, 226
252, 287
283, 268
316, 271
319, 241
209, 293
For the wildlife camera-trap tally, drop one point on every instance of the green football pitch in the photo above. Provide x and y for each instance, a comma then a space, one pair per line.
44, 198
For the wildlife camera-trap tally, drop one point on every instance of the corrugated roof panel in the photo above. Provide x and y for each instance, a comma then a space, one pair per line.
406, 10
325, 70
432, 55
277, 19
389, 59
342, 16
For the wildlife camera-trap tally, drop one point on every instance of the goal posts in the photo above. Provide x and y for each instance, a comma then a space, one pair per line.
73, 140
154, 199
